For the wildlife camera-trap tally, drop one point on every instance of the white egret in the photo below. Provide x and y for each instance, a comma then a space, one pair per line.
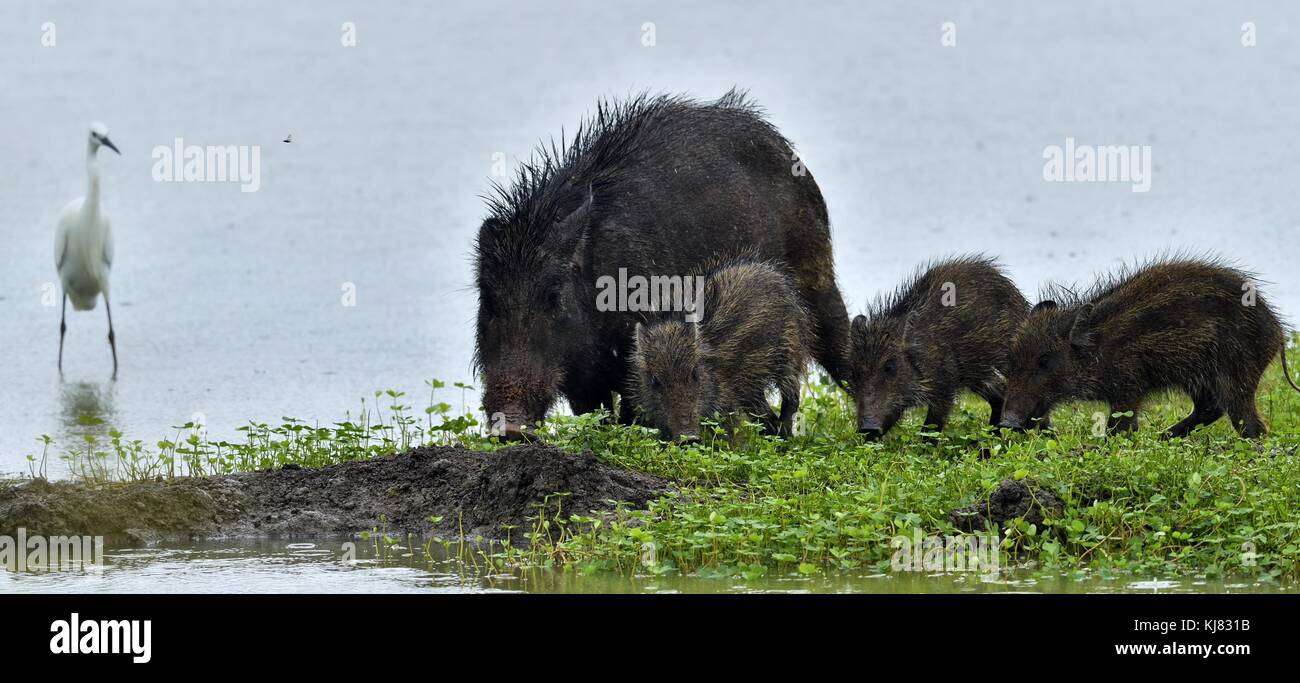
83, 246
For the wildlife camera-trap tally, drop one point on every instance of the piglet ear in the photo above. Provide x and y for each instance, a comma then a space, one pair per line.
909, 331
1044, 305
1081, 332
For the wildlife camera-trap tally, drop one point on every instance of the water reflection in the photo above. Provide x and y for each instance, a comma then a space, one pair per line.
356, 564
86, 414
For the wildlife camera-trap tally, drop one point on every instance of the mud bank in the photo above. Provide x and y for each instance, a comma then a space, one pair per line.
480, 493
1010, 500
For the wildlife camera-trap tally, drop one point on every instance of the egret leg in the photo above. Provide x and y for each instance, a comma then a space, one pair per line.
63, 328
112, 340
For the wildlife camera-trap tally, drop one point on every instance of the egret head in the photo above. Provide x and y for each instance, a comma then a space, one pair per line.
99, 136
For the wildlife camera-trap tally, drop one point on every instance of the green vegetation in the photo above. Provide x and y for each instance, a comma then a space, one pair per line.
824, 503
384, 425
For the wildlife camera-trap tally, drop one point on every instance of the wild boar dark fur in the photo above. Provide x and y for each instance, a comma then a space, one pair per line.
753, 337
945, 329
656, 185
1193, 324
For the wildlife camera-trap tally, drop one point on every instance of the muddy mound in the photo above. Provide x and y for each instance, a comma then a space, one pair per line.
479, 493
1010, 500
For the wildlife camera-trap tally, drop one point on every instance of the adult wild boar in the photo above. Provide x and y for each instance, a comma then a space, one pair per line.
658, 186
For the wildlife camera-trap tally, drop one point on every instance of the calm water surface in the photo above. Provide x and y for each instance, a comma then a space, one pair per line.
318, 566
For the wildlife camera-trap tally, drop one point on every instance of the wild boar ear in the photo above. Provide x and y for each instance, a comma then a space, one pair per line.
859, 324
1044, 305
1081, 333
638, 334
909, 332
571, 229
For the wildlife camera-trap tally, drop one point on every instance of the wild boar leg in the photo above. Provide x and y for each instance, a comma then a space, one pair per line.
789, 406
1206, 409
995, 402
937, 411
830, 321
1241, 408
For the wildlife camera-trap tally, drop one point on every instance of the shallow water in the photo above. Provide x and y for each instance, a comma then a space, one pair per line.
325, 566
229, 306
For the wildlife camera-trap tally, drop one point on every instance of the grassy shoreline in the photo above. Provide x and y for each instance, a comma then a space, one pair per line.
822, 503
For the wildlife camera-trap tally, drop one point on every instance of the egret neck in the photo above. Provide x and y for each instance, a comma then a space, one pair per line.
90, 206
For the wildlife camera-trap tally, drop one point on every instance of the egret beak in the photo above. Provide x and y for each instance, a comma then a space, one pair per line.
109, 144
